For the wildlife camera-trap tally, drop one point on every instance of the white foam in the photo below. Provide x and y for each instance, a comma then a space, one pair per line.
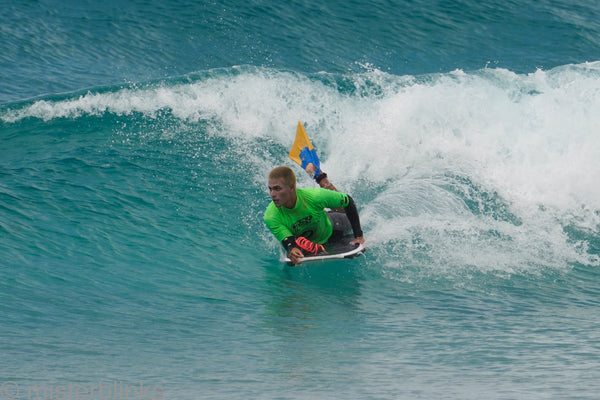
531, 140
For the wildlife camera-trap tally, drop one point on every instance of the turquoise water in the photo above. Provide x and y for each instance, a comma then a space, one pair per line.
135, 142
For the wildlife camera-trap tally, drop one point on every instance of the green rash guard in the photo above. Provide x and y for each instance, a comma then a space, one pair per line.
308, 218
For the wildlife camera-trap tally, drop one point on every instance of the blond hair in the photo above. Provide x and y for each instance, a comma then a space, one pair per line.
289, 178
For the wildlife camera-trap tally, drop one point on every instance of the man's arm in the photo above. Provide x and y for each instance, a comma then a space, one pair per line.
293, 252
324, 182
352, 214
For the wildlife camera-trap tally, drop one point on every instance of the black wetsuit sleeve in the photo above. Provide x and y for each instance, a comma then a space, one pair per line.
352, 214
288, 243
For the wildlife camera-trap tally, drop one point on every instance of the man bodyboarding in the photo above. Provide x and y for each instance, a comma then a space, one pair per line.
297, 217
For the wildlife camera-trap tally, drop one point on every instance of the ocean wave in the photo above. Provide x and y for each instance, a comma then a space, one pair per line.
504, 163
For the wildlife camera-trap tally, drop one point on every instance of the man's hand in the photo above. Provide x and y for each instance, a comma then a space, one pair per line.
358, 240
296, 256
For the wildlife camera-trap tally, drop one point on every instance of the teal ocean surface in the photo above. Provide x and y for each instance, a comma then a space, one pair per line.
135, 140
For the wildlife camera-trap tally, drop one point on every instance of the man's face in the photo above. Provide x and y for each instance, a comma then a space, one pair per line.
282, 194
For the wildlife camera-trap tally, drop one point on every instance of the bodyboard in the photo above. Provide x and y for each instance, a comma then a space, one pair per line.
336, 251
